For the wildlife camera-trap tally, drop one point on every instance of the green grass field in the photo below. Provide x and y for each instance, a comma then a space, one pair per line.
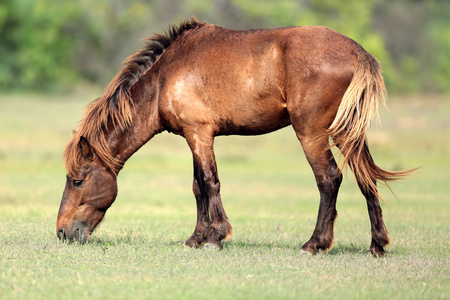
271, 199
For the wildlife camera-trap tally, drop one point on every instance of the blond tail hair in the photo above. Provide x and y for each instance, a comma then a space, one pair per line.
358, 107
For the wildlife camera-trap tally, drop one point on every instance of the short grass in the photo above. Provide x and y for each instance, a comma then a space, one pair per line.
271, 199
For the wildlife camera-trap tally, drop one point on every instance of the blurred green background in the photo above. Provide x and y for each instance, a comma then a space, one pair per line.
52, 45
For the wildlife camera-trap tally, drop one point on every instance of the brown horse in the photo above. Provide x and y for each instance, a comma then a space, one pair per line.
199, 81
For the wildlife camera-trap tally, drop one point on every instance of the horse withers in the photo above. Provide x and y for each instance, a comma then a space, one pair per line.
200, 81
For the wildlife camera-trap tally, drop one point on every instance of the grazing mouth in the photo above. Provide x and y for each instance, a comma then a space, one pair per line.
80, 234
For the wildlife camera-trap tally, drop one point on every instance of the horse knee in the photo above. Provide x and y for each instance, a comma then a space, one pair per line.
211, 186
196, 188
206, 182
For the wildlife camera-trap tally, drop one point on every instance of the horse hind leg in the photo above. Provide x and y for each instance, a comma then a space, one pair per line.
380, 236
328, 178
367, 174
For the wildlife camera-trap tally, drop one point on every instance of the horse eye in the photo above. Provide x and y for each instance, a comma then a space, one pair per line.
77, 182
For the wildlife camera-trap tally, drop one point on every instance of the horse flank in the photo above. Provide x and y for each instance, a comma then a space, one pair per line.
115, 106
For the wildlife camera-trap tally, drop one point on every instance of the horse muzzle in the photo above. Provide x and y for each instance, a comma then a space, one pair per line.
79, 232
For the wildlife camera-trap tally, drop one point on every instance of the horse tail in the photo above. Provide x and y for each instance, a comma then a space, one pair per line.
348, 130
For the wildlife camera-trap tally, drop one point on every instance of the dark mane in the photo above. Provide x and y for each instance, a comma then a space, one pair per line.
115, 105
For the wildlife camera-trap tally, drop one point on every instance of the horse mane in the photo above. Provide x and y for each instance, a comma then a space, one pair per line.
115, 106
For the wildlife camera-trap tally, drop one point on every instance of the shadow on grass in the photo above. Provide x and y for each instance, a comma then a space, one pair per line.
232, 245
349, 248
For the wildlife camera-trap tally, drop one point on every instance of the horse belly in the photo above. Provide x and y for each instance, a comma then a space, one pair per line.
238, 113
253, 118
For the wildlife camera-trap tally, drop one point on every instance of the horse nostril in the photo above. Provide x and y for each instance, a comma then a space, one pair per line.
62, 234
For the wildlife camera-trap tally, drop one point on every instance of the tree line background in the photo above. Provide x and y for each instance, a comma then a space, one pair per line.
48, 45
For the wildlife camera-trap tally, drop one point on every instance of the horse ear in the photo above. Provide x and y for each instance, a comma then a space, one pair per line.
86, 149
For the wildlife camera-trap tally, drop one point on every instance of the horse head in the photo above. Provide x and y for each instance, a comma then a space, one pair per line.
89, 192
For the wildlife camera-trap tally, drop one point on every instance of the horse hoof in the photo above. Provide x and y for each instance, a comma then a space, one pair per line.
378, 254
305, 253
191, 243
377, 251
183, 244
210, 246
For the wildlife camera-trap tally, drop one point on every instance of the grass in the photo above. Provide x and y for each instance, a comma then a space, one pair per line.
271, 199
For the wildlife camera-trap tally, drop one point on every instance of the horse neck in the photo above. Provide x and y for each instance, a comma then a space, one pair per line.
124, 142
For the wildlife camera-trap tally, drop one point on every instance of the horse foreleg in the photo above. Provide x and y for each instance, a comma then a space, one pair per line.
212, 222
201, 230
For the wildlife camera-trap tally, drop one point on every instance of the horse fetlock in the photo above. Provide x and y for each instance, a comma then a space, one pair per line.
381, 237
222, 231
377, 250
377, 247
